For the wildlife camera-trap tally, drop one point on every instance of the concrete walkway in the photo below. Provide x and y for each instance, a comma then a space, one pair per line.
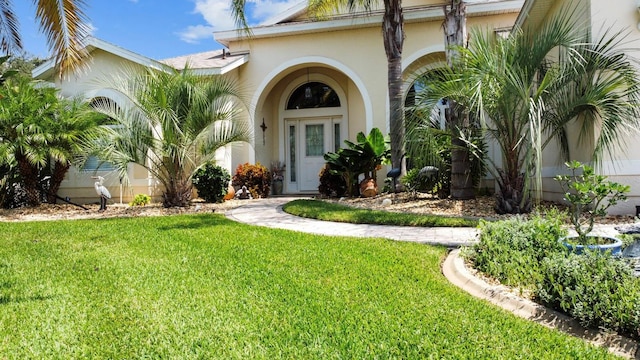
268, 212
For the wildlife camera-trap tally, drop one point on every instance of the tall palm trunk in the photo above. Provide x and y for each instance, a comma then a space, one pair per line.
455, 27
393, 36
461, 179
29, 175
59, 171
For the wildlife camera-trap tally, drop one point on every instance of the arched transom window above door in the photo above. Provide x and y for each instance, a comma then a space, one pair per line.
313, 95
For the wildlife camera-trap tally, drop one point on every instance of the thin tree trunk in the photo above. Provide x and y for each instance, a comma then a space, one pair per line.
29, 177
59, 171
455, 31
393, 36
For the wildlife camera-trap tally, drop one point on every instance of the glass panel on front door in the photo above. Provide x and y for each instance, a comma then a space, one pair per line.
292, 153
336, 137
314, 139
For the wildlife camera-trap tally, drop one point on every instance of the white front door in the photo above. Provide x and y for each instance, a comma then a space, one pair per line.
308, 141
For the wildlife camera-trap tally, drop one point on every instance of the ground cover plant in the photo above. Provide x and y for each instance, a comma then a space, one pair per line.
328, 211
597, 289
512, 250
201, 286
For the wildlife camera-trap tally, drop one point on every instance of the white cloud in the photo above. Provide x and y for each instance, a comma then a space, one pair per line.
217, 14
265, 9
193, 34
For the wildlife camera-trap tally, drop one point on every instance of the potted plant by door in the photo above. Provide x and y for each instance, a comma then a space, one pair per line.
277, 177
589, 196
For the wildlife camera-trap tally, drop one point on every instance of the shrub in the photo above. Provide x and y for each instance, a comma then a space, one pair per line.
429, 145
595, 288
140, 200
512, 250
256, 178
212, 182
364, 157
331, 184
417, 180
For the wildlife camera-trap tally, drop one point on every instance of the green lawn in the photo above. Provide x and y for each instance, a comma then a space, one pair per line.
327, 211
205, 287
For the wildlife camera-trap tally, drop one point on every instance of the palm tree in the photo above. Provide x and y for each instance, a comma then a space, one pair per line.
170, 123
455, 34
75, 122
24, 140
393, 38
62, 21
527, 101
40, 134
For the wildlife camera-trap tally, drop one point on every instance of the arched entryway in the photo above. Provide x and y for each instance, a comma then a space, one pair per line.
314, 120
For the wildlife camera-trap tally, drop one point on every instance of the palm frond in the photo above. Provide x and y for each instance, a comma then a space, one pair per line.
64, 24
9, 28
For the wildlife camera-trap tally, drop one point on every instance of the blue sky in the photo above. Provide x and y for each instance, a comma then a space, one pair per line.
157, 29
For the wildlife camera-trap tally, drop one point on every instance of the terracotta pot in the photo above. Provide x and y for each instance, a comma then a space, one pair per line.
368, 187
231, 193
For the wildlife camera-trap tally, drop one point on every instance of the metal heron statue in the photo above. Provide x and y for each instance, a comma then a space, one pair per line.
102, 192
395, 174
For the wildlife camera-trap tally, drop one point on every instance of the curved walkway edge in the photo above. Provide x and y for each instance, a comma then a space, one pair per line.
456, 272
268, 212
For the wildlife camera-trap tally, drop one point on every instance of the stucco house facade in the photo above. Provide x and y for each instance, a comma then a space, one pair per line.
621, 164
312, 84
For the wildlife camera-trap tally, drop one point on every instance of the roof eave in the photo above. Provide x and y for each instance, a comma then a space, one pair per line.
46, 69
291, 13
223, 69
524, 13
368, 20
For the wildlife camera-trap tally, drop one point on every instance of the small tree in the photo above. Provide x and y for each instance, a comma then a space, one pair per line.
589, 196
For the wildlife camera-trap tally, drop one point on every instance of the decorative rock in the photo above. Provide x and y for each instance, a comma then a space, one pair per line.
629, 229
632, 251
386, 202
428, 172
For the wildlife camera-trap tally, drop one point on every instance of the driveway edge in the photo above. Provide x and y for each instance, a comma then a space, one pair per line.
455, 271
